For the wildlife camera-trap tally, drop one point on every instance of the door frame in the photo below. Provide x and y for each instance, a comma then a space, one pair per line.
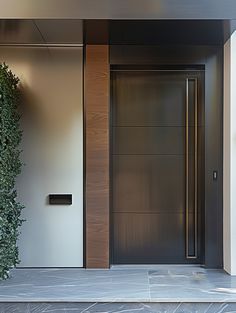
195, 72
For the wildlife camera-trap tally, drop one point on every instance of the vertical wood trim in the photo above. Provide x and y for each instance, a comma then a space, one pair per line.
97, 155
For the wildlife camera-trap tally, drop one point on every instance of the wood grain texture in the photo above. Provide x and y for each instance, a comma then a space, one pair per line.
97, 155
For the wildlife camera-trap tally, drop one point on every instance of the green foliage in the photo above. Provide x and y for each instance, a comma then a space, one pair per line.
10, 167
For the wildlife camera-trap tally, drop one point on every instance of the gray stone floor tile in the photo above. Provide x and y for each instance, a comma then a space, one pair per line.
120, 284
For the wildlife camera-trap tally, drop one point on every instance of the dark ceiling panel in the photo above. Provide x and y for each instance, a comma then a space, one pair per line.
193, 32
96, 31
19, 31
151, 32
61, 31
41, 31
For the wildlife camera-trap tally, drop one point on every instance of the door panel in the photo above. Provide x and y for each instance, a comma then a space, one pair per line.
156, 211
151, 140
139, 234
141, 183
147, 101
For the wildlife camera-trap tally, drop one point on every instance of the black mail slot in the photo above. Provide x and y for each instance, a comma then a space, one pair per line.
60, 199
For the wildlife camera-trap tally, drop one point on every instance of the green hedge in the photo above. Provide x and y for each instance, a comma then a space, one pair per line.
10, 167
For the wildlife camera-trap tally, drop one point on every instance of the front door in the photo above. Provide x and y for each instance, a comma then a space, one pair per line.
157, 166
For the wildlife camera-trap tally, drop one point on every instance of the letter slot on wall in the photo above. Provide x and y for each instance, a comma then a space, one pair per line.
65, 199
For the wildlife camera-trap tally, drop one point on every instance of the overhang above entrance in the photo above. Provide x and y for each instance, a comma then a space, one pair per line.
122, 9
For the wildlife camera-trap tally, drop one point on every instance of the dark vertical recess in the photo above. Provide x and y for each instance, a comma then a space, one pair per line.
214, 160
209, 57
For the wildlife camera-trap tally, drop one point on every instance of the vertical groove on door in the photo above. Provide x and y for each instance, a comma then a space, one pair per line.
97, 155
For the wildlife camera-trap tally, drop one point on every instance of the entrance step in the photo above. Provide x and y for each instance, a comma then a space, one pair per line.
109, 307
157, 288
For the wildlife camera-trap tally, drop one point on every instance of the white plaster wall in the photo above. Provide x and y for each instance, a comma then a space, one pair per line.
226, 176
230, 155
52, 121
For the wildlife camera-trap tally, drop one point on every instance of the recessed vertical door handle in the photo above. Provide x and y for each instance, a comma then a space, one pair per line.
194, 255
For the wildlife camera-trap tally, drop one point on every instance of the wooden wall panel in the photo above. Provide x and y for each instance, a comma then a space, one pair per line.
97, 155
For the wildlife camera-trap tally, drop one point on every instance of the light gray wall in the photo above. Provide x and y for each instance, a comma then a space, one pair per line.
52, 121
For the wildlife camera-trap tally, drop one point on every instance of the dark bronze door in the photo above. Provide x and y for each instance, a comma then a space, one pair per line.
157, 166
